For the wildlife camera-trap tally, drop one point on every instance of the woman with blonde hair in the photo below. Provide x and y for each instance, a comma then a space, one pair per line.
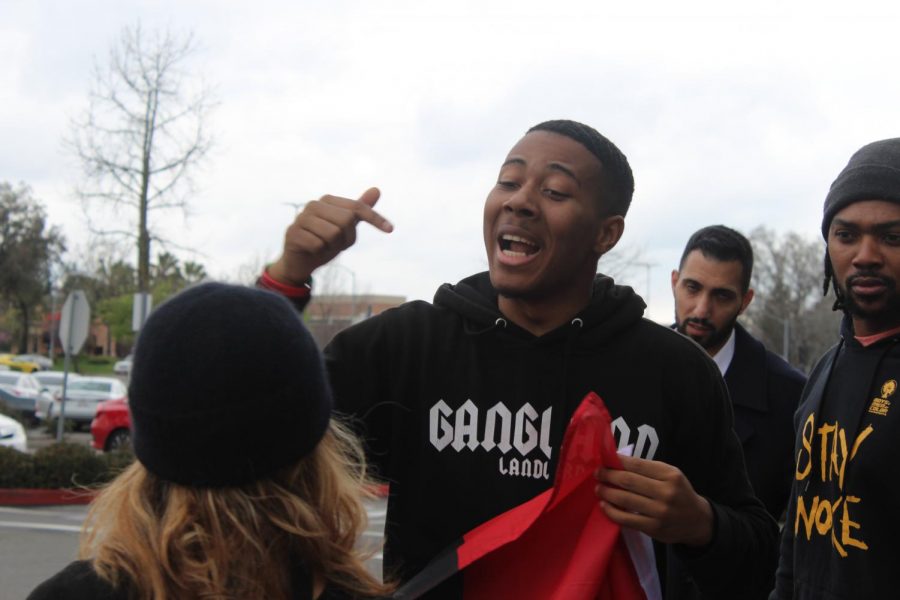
244, 487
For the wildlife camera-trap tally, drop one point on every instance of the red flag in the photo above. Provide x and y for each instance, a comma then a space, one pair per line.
558, 545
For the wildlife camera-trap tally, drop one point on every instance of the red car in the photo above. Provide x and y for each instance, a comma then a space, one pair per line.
111, 427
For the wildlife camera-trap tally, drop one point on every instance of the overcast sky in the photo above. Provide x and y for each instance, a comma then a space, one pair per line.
742, 117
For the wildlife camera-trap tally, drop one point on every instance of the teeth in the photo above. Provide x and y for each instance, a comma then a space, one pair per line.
516, 246
515, 238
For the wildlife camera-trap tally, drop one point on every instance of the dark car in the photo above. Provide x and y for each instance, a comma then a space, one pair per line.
111, 427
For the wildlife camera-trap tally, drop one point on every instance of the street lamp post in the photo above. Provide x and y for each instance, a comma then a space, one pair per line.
648, 266
785, 334
785, 338
52, 322
352, 274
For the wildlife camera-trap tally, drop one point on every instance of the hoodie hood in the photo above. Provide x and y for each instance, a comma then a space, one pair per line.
612, 309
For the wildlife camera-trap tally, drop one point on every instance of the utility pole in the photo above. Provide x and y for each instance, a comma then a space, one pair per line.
648, 266
352, 274
298, 206
785, 338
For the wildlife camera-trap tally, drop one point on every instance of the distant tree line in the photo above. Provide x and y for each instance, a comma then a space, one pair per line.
111, 283
28, 247
31, 264
789, 311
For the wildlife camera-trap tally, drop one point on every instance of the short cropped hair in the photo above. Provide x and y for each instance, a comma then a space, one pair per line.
618, 178
724, 244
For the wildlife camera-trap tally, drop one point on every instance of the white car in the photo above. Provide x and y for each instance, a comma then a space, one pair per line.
83, 395
123, 367
21, 391
12, 434
52, 381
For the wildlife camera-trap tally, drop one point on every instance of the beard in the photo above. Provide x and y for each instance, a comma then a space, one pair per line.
887, 309
715, 338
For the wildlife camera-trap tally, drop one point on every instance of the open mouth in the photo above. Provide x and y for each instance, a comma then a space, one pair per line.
517, 247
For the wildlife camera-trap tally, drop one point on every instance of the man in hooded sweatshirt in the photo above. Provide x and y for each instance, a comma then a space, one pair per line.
464, 401
840, 538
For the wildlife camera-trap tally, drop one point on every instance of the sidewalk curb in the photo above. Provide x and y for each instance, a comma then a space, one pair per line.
44, 497
57, 497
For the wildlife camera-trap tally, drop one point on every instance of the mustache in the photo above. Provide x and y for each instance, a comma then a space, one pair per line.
880, 278
698, 321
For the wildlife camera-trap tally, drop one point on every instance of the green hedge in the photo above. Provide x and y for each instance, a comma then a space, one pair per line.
62, 465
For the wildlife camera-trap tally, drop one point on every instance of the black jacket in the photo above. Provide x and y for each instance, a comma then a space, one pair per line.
79, 581
840, 538
765, 392
463, 413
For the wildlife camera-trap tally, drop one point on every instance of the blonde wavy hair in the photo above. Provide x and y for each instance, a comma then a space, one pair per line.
166, 540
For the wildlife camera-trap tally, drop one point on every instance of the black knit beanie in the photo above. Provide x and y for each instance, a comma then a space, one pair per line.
873, 173
227, 387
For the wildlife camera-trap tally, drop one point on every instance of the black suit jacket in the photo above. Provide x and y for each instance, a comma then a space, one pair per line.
765, 392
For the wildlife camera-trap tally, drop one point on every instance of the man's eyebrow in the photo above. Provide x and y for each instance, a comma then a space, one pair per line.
724, 290
715, 290
886, 225
554, 166
513, 161
876, 227
836, 222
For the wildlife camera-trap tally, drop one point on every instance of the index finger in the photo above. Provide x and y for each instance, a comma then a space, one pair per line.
368, 214
653, 469
363, 210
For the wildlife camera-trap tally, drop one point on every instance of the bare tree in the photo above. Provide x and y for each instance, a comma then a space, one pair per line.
246, 273
142, 134
789, 312
627, 265
625, 261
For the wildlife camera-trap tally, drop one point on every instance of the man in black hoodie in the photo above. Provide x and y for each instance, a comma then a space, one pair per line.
840, 538
464, 401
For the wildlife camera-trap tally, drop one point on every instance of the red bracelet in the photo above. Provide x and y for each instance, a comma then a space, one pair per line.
291, 291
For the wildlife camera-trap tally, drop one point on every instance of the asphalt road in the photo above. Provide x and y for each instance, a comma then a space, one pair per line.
36, 542
39, 437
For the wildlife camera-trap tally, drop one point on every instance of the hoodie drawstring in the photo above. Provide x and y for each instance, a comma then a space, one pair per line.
576, 325
500, 323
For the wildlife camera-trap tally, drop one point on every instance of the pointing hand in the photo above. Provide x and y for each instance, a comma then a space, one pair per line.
325, 228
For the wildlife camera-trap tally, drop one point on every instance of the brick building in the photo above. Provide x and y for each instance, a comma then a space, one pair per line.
326, 315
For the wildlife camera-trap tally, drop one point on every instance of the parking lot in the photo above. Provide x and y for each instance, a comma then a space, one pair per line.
39, 437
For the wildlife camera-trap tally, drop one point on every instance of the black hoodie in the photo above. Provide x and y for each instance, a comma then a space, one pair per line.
464, 413
841, 536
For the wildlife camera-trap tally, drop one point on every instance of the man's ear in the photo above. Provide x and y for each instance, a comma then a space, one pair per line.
746, 300
609, 234
674, 279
